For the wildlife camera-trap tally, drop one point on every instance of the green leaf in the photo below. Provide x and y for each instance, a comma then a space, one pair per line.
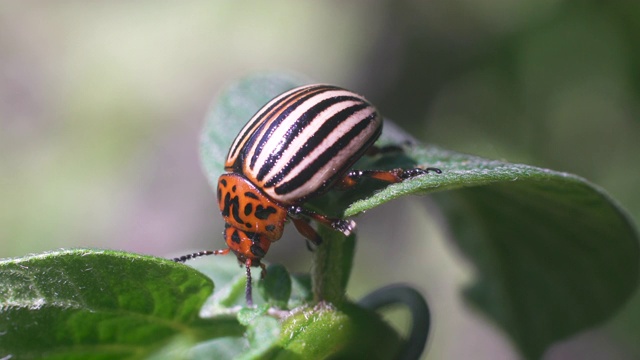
94, 304
349, 333
247, 315
263, 335
554, 254
276, 286
301, 292
230, 279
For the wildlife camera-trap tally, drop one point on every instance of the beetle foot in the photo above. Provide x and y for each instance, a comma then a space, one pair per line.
409, 173
344, 226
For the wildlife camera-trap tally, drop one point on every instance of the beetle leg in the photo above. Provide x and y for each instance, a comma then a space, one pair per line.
263, 271
382, 150
304, 228
184, 258
344, 226
310, 247
390, 176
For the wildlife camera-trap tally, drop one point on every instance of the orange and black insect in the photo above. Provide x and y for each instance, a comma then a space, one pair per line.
299, 145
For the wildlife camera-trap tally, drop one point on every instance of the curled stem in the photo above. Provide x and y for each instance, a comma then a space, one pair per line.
400, 294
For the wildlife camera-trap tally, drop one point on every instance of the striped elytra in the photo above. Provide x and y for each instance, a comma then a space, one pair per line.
299, 145
303, 141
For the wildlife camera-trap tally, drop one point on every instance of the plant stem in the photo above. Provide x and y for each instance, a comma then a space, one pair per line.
332, 266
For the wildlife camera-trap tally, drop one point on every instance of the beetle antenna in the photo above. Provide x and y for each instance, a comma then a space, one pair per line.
433, 169
184, 258
248, 294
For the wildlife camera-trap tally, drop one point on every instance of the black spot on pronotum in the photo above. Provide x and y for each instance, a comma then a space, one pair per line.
226, 208
235, 237
248, 209
248, 224
236, 212
233, 188
251, 195
263, 213
257, 251
230, 207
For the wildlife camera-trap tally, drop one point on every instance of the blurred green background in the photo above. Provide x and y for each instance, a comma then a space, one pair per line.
101, 104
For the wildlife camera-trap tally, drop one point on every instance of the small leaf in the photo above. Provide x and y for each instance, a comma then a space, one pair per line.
101, 304
232, 293
230, 282
301, 292
247, 315
263, 335
349, 333
276, 286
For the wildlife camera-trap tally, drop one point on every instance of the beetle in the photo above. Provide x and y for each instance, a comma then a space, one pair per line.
296, 147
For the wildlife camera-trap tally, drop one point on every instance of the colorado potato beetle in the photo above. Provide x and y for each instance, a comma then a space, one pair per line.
299, 145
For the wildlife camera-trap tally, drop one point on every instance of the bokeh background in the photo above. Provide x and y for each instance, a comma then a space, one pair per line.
101, 104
